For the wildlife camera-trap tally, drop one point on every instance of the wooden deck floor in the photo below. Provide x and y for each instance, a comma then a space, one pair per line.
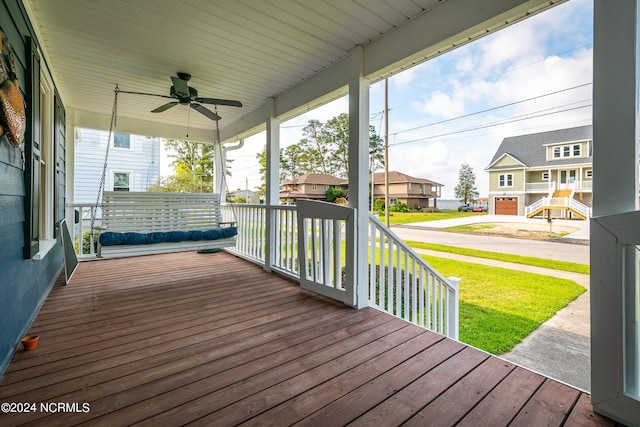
210, 339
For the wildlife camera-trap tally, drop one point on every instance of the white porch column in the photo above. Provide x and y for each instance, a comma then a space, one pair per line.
272, 196
359, 170
615, 161
614, 262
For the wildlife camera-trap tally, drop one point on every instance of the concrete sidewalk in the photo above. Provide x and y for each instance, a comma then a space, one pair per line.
560, 347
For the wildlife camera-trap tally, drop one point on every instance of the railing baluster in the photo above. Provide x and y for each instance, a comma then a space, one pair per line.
407, 286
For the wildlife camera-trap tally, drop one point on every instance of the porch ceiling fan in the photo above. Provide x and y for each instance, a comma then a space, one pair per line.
183, 94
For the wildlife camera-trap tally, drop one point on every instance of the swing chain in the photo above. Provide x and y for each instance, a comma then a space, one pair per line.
103, 178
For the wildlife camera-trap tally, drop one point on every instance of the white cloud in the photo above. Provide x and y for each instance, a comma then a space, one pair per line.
405, 78
442, 105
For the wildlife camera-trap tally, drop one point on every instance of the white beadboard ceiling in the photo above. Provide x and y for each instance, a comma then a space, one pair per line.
246, 50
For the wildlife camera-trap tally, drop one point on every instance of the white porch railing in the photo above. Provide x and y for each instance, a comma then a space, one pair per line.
413, 291
542, 187
535, 206
326, 240
252, 228
584, 186
402, 283
558, 203
581, 208
84, 241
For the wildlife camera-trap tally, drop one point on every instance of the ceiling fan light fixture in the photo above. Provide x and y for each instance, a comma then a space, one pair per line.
186, 95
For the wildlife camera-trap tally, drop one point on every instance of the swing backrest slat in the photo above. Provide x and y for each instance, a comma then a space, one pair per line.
143, 212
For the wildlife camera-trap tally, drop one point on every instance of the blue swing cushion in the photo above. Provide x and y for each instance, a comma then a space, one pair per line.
111, 238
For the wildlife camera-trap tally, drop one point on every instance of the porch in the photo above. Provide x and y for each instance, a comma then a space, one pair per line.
213, 339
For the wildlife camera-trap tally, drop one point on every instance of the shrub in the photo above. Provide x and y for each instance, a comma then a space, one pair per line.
334, 193
399, 207
378, 206
86, 243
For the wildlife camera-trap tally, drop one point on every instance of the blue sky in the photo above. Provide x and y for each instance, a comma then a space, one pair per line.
550, 53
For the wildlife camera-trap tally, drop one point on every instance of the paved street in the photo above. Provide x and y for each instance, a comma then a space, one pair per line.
536, 248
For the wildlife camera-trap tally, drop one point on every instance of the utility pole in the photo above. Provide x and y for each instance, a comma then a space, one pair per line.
386, 151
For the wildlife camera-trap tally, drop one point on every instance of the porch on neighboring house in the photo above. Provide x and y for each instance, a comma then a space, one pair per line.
204, 339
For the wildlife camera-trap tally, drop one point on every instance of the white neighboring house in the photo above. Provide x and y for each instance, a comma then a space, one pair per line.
134, 163
250, 196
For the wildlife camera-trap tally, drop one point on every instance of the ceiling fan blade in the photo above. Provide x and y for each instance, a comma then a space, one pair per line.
216, 101
180, 86
210, 114
144, 93
165, 107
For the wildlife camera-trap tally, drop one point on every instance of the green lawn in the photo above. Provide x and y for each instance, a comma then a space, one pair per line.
409, 217
500, 307
518, 259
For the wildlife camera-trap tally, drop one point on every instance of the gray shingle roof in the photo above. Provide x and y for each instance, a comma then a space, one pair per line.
529, 149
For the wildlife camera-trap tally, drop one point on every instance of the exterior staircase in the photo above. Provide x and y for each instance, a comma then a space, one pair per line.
561, 199
562, 193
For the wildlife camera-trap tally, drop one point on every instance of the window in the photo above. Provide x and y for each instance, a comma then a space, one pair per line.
505, 180
545, 176
121, 181
393, 201
571, 150
588, 173
421, 188
326, 188
122, 140
314, 186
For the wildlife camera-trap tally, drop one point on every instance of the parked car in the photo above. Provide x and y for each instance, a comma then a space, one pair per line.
480, 209
465, 208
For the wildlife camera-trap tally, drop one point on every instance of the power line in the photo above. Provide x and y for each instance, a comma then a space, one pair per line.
499, 123
493, 108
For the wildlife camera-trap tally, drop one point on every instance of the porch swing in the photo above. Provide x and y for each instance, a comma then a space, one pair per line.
147, 223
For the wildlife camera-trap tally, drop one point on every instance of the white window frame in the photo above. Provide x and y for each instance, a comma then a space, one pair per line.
130, 148
588, 173
566, 151
573, 150
48, 167
113, 179
393, 201
314, 186
545, 176
503, 180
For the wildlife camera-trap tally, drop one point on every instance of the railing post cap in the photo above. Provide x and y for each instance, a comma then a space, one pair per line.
455, 281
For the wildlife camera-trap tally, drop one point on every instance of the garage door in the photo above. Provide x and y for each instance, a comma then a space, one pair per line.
506, 206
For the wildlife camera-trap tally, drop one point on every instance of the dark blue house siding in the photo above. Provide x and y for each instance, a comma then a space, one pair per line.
24, 283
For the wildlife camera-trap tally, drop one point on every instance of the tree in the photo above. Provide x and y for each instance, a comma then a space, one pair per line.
193, 168
466, 189
324, 148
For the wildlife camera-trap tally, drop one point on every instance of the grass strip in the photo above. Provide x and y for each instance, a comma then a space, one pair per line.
499, 256
410, 217
500, 307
